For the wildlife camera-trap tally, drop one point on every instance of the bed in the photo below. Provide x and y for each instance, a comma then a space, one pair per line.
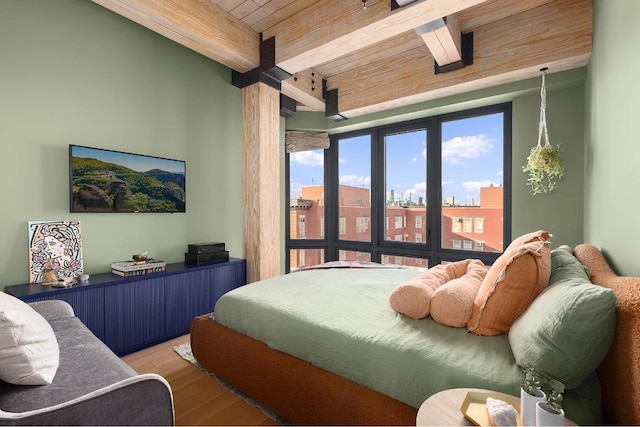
303, 367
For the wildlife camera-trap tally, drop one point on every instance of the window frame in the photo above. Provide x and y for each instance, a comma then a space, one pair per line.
430, 249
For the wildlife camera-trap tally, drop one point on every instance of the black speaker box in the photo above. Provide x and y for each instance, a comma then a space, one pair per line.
206, 258
205, 248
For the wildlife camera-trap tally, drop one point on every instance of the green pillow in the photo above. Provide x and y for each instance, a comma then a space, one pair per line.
565, 265
568, 329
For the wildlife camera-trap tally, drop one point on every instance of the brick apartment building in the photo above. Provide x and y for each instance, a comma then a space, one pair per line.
465, 227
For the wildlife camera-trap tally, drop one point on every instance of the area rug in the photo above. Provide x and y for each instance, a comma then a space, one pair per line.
184, 351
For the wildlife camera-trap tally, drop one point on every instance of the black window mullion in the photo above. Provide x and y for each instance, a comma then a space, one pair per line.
431, 247
287, 215
332, 211
434, 186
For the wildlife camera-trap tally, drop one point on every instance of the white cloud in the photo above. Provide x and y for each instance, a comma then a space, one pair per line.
295, 190
414, 192
465, 147
356, 181
307, 158
474, 186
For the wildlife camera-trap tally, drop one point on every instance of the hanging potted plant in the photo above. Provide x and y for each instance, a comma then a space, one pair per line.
545, 164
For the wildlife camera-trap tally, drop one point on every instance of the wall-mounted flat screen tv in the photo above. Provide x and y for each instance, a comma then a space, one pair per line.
113, 181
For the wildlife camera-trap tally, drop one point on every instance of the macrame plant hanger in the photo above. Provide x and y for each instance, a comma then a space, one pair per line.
543, 112
545, 163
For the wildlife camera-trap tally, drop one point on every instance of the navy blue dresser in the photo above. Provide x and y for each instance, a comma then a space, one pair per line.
129, 314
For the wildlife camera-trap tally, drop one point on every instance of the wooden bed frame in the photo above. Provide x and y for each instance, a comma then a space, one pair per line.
304, 394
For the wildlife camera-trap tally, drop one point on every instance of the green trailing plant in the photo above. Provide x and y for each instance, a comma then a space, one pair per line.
545, 166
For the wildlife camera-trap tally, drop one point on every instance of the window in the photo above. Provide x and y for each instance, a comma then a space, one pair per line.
302, 232
362, 224
354, 188
427, 189
306, 194
398, 222
354, 256
410, 262
304, 257
474, 155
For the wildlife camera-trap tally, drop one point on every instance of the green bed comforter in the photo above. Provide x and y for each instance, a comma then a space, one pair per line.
340, 320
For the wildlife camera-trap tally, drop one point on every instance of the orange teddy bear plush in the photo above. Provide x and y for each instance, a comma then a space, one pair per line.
445, 291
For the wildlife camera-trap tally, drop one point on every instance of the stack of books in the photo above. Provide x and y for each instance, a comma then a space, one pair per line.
131, 269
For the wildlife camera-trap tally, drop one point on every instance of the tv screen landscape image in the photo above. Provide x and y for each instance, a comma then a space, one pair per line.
113, 181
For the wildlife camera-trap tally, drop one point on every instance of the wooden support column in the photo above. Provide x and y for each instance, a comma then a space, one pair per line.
261, 180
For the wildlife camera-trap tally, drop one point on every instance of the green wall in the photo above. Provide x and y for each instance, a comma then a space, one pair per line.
560, 211
612, 149
73, 72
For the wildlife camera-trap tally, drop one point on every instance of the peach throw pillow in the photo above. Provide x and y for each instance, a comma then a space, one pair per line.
413, 298
511, 284
452, 303
539, 235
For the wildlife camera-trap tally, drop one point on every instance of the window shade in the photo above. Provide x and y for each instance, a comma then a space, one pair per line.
304, 141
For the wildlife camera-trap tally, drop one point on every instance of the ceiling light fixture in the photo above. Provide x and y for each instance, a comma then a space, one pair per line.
364, 4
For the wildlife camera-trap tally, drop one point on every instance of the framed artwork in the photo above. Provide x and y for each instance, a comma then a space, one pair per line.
55, 250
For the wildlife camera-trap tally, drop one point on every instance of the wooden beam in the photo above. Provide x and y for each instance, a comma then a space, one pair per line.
474, 17
445, 41
329, 29
557, 35
306, 88
494, 10
199, 25
261, 180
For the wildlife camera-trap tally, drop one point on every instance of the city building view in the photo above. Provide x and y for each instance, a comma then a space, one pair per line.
477, 226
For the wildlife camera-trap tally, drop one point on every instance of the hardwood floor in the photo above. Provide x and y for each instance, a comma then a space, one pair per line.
197, 397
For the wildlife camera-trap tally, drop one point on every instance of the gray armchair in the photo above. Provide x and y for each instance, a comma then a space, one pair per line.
92, 385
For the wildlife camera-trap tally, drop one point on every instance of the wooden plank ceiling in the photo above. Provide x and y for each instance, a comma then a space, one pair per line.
377, 58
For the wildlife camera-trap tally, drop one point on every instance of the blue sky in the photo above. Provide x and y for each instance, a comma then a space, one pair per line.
472, 157
136, 162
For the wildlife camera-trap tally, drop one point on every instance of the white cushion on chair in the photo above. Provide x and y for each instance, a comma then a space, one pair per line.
29, 353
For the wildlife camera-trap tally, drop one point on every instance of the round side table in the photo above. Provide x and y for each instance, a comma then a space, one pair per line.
443, 408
